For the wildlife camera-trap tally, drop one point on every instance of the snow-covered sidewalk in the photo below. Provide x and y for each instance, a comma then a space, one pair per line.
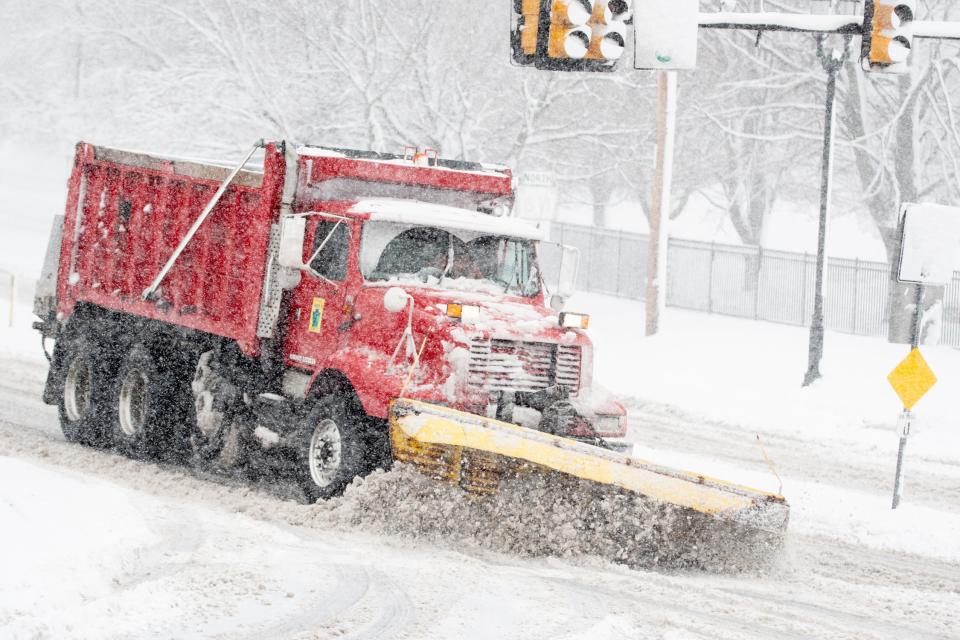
749, 374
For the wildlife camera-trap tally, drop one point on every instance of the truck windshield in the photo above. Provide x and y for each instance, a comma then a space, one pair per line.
448, 259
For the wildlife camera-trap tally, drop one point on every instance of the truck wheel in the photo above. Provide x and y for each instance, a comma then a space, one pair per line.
331, 449
148, 401
84, 403
214, 397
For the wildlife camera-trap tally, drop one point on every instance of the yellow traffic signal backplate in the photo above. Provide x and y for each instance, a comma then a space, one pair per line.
912, 379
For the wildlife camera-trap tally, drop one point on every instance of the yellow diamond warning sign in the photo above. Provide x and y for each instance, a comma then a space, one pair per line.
912, 379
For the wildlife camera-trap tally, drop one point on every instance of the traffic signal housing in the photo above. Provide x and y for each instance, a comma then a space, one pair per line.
523, 40
888, 35
570, 35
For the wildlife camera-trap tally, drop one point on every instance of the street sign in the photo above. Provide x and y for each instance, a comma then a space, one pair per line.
666, 34
930, 244
912, 379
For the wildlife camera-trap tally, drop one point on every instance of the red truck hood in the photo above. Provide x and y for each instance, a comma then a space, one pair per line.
455, 352
506, 317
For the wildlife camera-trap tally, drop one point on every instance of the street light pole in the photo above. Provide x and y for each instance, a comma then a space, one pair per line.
832, 62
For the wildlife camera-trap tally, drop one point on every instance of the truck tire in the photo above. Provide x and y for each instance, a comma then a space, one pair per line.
331, 449
214, 399
84, 405
149, 402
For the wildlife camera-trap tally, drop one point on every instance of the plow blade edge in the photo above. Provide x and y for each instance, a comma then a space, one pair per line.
477, 453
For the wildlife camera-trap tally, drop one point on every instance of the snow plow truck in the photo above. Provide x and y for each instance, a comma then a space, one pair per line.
331, 311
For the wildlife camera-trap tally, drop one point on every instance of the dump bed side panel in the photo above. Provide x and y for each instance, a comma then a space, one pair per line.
125, 215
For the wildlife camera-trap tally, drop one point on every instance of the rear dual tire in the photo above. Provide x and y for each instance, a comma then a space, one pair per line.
143, 405
151, 404
84, 406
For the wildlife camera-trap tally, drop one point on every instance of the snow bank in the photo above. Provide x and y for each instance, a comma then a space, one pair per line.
749, 374
54, 548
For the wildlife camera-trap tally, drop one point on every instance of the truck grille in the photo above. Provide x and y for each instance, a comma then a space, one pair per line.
506, 365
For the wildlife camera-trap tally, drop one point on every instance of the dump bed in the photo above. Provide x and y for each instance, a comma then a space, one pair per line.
327, 173
126, 213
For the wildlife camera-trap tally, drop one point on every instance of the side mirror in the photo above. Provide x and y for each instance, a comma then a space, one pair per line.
293, 230
559, 265
569, 268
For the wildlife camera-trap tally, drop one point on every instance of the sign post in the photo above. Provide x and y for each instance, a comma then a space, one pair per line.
929, 254
911, 380
656, 292
906, 418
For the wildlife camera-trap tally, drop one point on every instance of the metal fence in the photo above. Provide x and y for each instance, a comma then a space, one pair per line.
746, 282
8, 297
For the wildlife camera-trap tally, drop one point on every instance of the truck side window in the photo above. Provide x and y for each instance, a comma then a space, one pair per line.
331, 261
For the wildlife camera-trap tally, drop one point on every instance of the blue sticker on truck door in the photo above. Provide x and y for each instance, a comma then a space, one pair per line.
316, 315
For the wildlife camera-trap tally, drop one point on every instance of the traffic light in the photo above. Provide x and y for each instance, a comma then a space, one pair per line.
666, 33
888, 35
570, 35
526, 20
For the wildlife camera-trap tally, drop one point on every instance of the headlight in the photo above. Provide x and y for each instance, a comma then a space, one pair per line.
574, 320
610, 424
462, 312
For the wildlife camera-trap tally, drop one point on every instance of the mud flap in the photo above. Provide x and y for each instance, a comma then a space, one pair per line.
477, 453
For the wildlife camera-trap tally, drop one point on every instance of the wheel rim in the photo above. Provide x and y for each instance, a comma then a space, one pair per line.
78, 388
133, 403
326, 449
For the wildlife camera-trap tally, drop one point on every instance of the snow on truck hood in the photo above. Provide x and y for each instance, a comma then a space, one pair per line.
437, 215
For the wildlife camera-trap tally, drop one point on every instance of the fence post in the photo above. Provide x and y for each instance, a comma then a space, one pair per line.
619, 260
856, 292
710, 284
586, 261
803, 290
13, 296
756, 289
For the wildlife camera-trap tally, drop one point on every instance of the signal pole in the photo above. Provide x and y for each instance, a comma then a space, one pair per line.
832, 62
656, 293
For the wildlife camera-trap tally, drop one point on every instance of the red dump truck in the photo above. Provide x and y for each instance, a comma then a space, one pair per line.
276, 310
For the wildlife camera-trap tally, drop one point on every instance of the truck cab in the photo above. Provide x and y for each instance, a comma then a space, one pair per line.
409, 296
435, 303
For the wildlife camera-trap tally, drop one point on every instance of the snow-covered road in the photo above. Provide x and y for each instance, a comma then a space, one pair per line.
93, 545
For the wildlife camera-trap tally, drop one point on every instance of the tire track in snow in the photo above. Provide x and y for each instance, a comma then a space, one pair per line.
351, 585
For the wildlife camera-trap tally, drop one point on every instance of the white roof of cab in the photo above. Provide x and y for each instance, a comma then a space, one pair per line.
436, 215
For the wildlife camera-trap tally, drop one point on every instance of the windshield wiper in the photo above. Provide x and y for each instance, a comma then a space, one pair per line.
449, 264
515, 278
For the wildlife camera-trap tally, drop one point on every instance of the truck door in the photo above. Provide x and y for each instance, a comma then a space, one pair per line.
317, 306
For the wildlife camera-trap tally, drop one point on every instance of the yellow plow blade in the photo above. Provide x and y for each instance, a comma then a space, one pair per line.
477, 452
